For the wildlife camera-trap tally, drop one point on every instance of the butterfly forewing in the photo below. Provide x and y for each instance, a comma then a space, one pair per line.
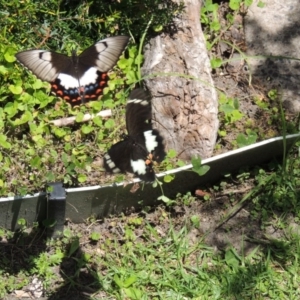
40, 62
138, 112
77, 78
105, 53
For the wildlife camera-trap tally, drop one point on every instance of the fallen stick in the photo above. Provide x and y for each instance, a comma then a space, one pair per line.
70, 120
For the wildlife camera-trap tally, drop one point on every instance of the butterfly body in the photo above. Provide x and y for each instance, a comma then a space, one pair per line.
143, 145
76, 78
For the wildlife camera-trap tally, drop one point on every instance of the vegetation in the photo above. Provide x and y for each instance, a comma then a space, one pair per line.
165, 253
33, 150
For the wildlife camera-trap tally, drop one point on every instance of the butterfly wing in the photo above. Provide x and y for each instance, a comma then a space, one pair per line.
104, 54
142, 145
138, 112
46, 65
77, 77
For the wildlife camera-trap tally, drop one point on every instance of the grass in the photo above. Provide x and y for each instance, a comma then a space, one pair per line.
162, 254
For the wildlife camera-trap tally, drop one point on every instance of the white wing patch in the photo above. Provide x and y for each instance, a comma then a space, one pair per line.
111, 164
138, 166
138, 101
150, 141
69, 82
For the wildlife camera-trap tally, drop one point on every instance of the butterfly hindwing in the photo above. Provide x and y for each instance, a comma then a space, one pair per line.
76, 78
142, 145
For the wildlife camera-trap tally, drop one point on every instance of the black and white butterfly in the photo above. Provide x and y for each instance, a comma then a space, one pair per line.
76, 78
143, 145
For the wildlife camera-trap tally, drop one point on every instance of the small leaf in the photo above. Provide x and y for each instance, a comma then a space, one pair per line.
9, 55
82, 178
171, 153
168, 178
118, 281
198, 168
129, 281
95, 236
261, 4
216, 63
133, 293
86, 129
79, 117
74, 247
3, 143
234, 4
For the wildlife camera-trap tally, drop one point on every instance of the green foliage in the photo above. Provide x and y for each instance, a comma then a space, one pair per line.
230, 108
198, 167
32, 149
245, 140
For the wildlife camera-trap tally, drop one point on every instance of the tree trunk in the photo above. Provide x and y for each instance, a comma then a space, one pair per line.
185, 104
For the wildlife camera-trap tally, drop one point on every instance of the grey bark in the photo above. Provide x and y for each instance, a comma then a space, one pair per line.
184, 107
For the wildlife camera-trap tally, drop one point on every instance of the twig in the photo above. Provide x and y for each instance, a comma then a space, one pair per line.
70, 120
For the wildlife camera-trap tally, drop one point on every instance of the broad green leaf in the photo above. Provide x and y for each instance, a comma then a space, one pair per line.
9, 54
79, 117
15, 89
198, 167
3, 142
86, 129
234, 4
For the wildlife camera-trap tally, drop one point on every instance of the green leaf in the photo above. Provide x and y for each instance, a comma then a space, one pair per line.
261, 4
234, 4
95, 236
74, 246
35, 162
9, 55
86, 128
59, 132
110, 123
97, 121
172, 153
216, 63
118, 281
168, 178
79, 117
133, 293
158, 28
3, 70
129, 281
82, 178
3, 143
248, 2
166, 200
195, 220
38, 84
198, 168
25, 118
122, 63
215, 25
15, 89
232, 259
